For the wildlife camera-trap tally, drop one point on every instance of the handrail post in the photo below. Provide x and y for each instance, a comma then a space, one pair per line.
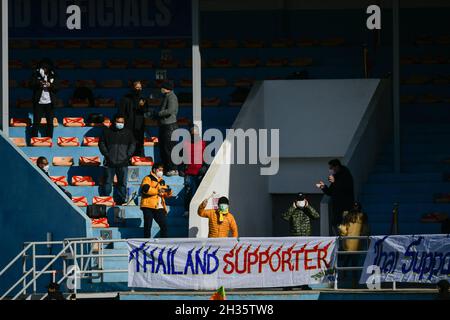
34, 269
336, 266
75, 268
24, 271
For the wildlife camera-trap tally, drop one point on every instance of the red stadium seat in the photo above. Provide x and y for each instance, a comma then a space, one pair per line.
60, 180
68, 142
83, 181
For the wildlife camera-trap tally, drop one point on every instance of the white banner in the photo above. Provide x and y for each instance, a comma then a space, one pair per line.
207, 264
408, 258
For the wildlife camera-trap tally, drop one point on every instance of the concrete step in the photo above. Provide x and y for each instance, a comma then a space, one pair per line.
405, 187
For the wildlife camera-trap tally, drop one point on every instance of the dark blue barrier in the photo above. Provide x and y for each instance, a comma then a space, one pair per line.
30, 207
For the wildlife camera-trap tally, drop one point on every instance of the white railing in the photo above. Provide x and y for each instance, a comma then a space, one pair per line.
87, 260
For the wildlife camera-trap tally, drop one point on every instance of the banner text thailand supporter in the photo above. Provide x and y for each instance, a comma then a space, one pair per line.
281, 261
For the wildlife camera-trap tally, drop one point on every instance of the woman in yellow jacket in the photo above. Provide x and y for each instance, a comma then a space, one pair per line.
154, 191
221, 221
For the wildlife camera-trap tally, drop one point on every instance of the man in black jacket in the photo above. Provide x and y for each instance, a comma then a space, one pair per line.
45, 85
340, 190
167, 117
133, 106
117, 145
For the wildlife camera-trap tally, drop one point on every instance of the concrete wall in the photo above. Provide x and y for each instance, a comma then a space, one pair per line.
237, 181
31, 206
373, 130
318, 120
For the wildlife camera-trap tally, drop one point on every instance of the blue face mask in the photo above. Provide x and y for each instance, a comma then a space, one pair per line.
120, 126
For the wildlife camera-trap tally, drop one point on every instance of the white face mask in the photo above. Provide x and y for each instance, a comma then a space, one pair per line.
120, 126
223, 207
46, 168
159, 174
301, 204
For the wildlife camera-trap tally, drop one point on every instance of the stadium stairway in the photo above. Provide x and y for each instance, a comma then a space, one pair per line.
425, 134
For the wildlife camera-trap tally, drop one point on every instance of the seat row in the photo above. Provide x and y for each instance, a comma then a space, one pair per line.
67, 142
169, 63
173, 43
115, 84
94, 161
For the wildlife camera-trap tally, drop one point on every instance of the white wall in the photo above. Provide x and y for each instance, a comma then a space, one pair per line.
317, 120
335, 120
237, 181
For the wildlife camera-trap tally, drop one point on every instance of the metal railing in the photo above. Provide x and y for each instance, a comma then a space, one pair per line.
83, 258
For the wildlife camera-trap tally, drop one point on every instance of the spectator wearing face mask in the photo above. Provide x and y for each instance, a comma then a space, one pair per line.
221, 221
340, 190
299, 216
154, 191
195, 169
43, 164
117, 145
45, 86
134, 106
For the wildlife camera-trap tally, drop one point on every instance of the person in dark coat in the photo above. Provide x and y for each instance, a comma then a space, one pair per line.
167, 117
117, 145
134, 106
44, 83
340, 190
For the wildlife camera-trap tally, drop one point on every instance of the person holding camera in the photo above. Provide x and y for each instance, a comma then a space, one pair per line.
340, 191
299, 216
154, 191
45, 85
134, 107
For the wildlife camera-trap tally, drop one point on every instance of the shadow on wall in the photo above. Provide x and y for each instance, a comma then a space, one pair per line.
31, 207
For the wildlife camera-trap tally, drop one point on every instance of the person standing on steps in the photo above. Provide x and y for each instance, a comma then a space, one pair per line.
167, 118
154, 192
117, 145
45, 86
134, 106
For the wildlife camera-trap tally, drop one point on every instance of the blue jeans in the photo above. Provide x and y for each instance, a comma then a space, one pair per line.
191, 184
121, 188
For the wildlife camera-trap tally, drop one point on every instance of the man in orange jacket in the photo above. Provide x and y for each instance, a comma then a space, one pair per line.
153, 205
221, 221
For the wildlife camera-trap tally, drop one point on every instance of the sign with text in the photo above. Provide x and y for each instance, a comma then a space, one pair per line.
206, 264
100, 18
408, 258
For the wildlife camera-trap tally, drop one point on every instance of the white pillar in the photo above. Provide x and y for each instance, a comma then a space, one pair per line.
196, 67
4, 119
396, 83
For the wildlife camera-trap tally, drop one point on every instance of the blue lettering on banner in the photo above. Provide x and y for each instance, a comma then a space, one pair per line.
162, 260
418, 258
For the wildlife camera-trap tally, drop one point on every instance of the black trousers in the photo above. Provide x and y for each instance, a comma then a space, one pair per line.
40, 111
160, 216
166, 145
139, 135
